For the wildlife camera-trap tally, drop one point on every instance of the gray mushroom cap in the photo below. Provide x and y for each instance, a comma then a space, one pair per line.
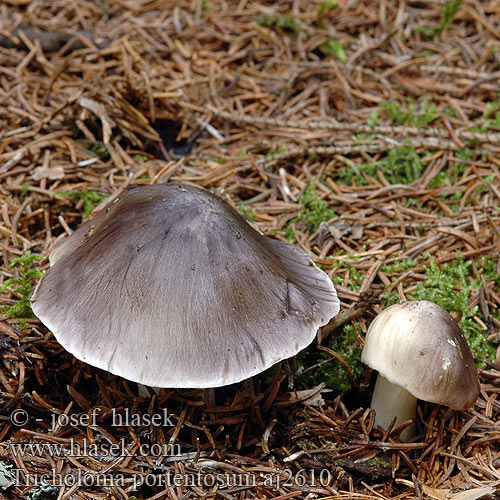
418, 346
170, 287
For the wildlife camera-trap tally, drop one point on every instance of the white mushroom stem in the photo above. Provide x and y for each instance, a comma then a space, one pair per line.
209, 397
144, 392
391, 400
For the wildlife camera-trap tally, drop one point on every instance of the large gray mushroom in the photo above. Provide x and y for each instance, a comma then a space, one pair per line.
419, 352
170, 287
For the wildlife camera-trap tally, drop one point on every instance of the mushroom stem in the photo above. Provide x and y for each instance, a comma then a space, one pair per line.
144, 392
390, 400
209, 397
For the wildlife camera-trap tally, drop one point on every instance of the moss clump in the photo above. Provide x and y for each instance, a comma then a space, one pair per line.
27, 275
451, 175
281, 21
491, 116
398, 265
379, 462
448, 12
354, 174
314, 211
140, 158
273, 152
323, 9
91, 199
331, 46
248, 213
371, 122
100, 150
414, 115
333, 373
355, 277
400, 166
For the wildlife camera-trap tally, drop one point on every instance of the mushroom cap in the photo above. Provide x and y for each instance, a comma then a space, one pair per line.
169, 286
418, 346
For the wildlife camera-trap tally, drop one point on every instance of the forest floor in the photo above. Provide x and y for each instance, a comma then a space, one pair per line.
365, 133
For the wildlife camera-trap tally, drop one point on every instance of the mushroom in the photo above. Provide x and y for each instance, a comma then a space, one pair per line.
169, 286
419, 352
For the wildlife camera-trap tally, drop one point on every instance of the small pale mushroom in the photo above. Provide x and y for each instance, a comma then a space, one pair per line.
419, 352
169, 286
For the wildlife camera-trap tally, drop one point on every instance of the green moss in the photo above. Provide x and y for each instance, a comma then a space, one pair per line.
452, 200
487, 180
444, 178
248, 213
140, 158
450, 285
98, 148
286, 23
355, 277
371, 122
440, 179
491, 114
466, 154
77, 131
413, 115
381, 462
333, 47
403, 165
323, 9
398, 265
324, 266
411, 202
333, 373
489, 270
450, 112
372, 119
273, 152
448, 12
24, 190
391, 298
215, 159
472, 196
314, 211
27, 275
452, 174
400, 166
288, 234
91, 199
354, 174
